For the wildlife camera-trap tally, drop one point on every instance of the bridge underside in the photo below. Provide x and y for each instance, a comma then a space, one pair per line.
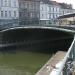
43, 40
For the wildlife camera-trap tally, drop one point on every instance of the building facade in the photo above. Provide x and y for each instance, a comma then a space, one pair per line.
66, 9
44, 13
51, 10
54, 11
29, 11
9, 11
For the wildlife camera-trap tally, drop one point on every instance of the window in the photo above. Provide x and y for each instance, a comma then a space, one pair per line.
42, 8
1, 13
42, 15
15, 3
56, 9
49, 16
6, 3
49, 8
9, 13
53, 9
14, 13
5, 13
9, 2
56, 16
53, 16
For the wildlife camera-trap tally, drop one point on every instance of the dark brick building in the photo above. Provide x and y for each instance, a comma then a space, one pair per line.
29, 11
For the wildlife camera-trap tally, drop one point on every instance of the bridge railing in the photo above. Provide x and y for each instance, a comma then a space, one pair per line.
23, 23
67, 67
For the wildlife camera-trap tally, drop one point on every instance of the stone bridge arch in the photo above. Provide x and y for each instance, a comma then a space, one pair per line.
37, 38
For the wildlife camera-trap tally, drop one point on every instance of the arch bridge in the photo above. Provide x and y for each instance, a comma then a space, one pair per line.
42, 39
36, 37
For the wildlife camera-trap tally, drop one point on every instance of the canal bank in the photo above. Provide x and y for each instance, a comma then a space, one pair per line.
51, 64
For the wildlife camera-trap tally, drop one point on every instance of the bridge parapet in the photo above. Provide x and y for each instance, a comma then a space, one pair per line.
21, 24
67, 66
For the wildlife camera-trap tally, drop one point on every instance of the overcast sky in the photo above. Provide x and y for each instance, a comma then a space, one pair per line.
68, 1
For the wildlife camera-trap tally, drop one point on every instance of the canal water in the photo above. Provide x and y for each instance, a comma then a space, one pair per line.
22, 62
39, 46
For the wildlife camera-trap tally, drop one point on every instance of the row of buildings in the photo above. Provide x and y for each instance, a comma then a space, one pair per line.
32, 11
9, 11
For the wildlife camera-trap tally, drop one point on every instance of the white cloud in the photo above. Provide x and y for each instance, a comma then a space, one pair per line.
67, 1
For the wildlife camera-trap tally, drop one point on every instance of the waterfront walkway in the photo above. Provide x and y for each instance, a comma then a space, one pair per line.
50, 65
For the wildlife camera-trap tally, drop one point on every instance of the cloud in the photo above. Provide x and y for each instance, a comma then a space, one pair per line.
67, 1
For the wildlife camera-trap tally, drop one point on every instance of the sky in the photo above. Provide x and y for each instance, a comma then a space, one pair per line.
67, 1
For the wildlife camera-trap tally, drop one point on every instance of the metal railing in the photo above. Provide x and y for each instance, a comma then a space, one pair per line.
23, 23
66, 67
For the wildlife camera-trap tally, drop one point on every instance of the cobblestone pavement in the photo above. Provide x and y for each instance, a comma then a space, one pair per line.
47, 68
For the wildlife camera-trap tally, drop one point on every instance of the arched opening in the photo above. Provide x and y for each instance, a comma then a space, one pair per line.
37, 39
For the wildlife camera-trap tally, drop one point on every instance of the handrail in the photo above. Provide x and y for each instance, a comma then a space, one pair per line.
68, 55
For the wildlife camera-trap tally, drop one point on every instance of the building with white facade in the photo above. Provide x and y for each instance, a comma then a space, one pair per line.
44, 12
66, 9
51, 10
54, 11
9, 11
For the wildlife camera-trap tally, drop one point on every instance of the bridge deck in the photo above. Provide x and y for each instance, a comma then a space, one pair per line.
50, 65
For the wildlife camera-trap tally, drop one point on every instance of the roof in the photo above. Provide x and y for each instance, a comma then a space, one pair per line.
65, 6
54, 3
45, 1
50, 2
62, 5
29, 0
66, 16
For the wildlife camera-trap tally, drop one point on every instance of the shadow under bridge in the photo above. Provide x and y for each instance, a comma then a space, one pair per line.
36, 39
